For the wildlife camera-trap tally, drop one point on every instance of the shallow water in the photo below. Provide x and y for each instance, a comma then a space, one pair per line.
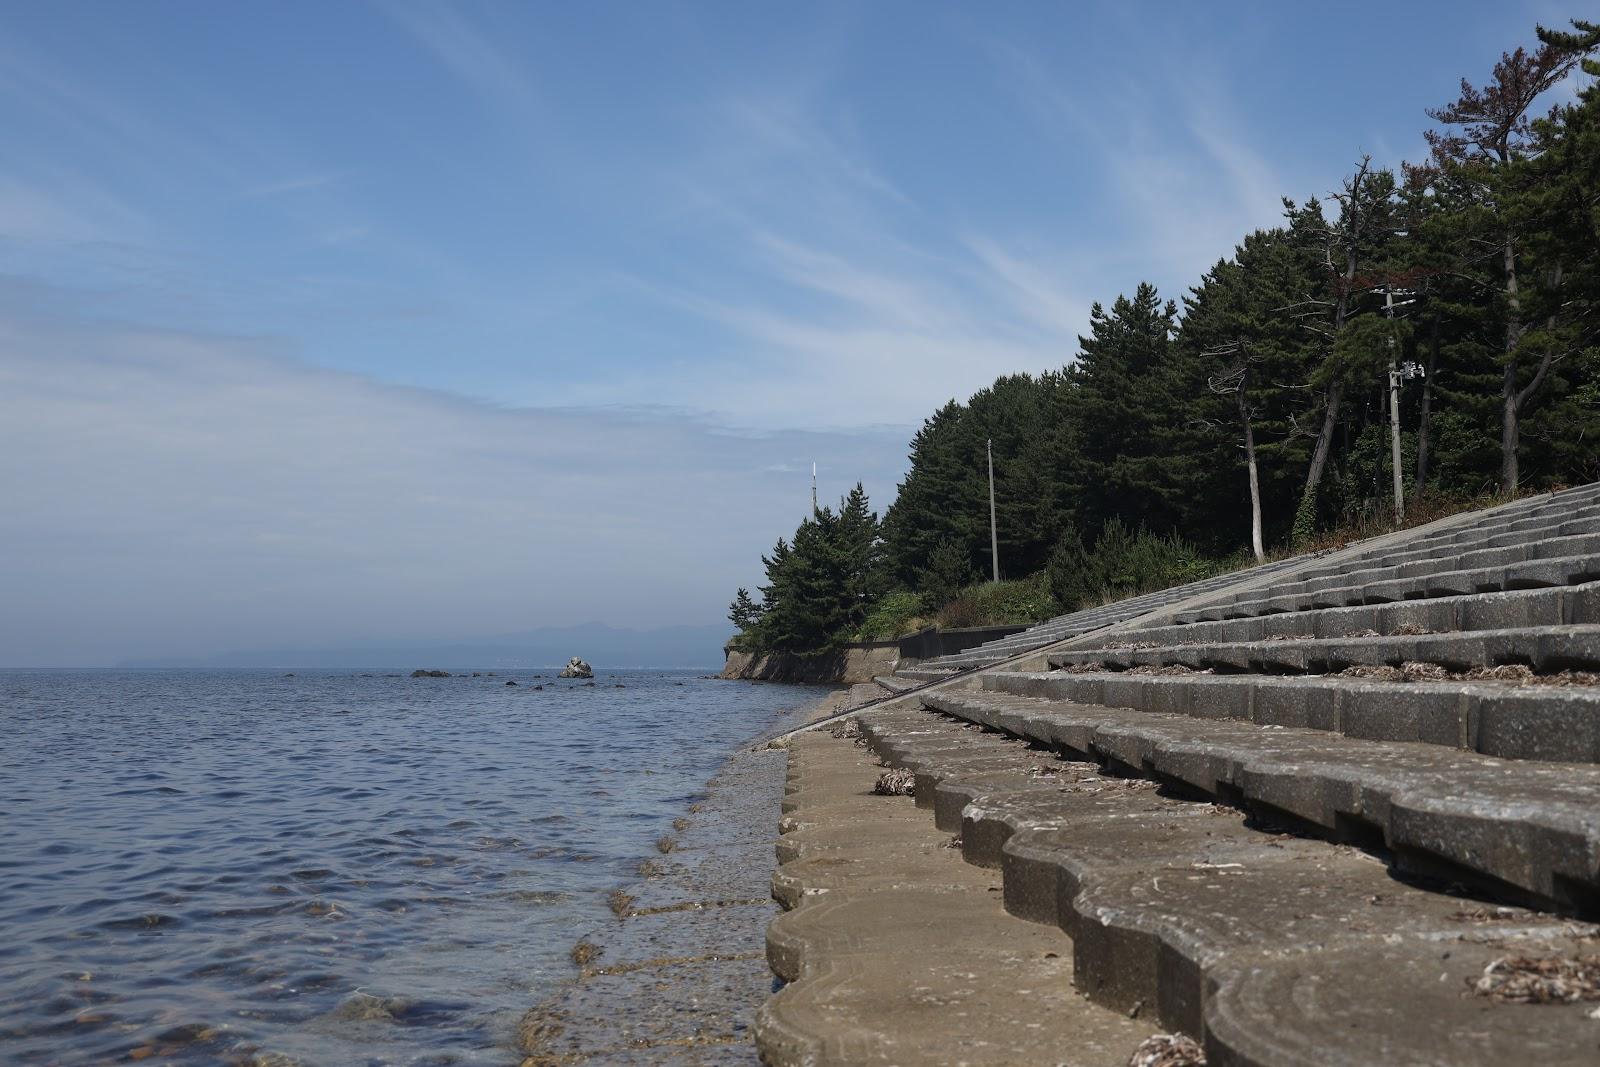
333, 868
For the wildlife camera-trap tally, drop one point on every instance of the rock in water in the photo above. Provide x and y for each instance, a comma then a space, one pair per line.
576, 668
423, 673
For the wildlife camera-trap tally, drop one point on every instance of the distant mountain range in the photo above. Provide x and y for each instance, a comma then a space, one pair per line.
698, 647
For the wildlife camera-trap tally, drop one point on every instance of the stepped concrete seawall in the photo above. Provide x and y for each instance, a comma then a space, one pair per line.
1340, 810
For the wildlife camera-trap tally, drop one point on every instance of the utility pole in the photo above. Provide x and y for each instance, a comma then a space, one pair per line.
994, 531
813, 488
1394, 408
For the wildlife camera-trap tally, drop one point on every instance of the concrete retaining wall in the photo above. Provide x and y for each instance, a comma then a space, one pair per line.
857, 663
934, 642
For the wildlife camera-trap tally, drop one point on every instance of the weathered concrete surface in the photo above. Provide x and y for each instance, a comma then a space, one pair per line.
1519, 825
856, 664
1272, 948
899, 953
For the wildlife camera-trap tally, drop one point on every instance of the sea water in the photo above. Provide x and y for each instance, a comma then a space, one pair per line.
329, 867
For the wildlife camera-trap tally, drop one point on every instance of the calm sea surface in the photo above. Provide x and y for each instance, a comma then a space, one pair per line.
339, 867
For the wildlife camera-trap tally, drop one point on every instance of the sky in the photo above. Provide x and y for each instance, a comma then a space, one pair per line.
362, 321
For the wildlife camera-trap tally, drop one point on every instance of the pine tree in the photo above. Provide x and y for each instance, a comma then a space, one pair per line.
1481, 156
939, 499
1120, 402
860, 542
1351, 248
744, 612
949, 571
1234, 323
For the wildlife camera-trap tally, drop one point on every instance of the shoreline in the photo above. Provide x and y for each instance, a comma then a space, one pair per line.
678, 976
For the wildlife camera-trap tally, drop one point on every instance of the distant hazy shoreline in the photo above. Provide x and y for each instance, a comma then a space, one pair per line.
614, 648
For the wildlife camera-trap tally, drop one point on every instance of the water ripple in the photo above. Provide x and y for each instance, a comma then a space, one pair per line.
207, 867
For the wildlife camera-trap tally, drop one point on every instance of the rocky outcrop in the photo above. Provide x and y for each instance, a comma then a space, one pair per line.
576, 668
430, 674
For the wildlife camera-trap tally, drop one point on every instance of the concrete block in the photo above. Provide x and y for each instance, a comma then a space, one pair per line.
1501, 611
1460, 583
1382, 593
1577, 648
1532, 574
1460, 652
1528, 724
1397, 1002
1574, 545
1432, 714
1337, 623
1290, 702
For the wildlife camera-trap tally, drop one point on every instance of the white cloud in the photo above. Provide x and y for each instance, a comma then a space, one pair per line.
1174, 164
171, 492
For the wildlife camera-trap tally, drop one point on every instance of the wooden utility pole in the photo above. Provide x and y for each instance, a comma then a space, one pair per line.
994, 530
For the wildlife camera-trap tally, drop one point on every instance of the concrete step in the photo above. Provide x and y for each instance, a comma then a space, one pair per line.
1552, 606
1522, 517
1545, 649
1425, 563
1526, 574
1496, 719
1188, 912
895, 951
1426, 549
1522, 828
892, 684
1090, 619
919, 675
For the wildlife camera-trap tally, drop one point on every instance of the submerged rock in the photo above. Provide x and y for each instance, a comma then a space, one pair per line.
366, 1008
576, 668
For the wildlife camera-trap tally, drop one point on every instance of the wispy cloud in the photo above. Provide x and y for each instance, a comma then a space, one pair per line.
300, 184
855, 306
35, 212
1173, 161
470, 53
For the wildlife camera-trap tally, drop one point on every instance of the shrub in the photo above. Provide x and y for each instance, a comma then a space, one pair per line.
895, 615
1025, 600
1121, 564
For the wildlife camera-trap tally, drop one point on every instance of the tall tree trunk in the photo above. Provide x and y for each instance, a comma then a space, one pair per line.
1509, 413
1255, 482
1305, 519
1510, 431
1425, 421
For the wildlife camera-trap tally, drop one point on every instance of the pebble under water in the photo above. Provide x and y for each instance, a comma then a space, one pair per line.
330, 868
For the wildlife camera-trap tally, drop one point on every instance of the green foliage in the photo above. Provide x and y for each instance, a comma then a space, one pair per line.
820, 585
744, 612
894, 615
1121, 564
1126, 469
1023, 601
949, 571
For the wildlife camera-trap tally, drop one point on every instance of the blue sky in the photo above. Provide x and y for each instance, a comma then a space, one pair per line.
336, 321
